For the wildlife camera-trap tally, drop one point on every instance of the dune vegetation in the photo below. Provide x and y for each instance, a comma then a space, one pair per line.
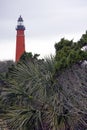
46, 94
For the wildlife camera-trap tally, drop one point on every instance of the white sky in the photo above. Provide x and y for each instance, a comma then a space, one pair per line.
46, 22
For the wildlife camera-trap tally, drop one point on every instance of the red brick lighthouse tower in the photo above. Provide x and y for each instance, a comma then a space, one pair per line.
20, 39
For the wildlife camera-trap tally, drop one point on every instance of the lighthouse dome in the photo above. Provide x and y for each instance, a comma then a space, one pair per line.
20, 19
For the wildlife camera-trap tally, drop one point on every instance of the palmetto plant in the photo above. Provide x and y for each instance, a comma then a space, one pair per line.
36, 99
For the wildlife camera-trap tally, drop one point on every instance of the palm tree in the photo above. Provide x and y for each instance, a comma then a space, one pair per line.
37, 100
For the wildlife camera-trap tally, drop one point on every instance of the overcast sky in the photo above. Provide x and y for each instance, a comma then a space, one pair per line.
46, 22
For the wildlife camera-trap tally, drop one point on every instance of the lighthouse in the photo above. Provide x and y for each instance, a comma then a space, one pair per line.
20, 39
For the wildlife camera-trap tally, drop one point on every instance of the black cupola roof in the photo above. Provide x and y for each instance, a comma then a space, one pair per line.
20, 19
